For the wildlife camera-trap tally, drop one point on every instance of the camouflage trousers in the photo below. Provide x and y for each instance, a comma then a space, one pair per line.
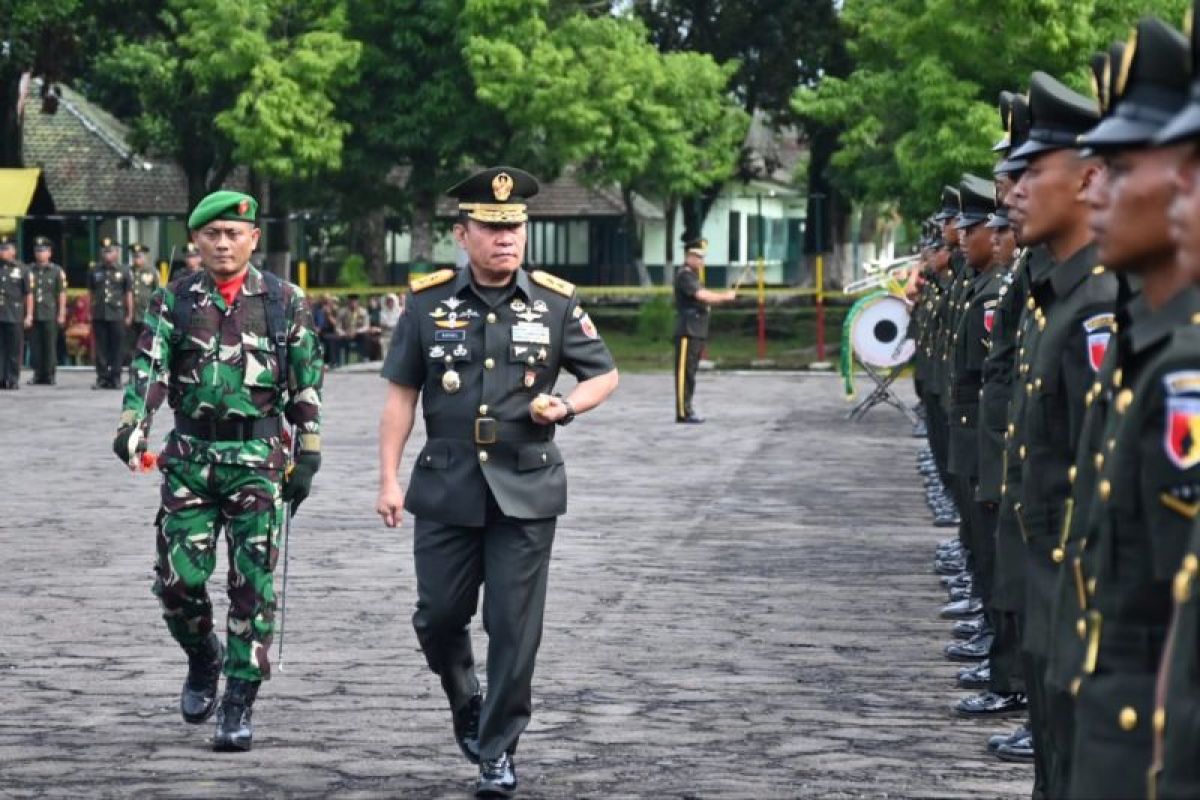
198, 500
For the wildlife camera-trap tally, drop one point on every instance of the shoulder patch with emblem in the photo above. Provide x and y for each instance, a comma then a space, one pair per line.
431, 280
552, 282
1181, 439
1099, 330
989, 314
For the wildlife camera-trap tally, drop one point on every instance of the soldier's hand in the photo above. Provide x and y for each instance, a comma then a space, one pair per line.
28, 322
129, 445
62, 319
731, 294
298, 483
390, 505
546, 409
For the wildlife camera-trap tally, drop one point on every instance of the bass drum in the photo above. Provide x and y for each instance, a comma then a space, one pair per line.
878, 333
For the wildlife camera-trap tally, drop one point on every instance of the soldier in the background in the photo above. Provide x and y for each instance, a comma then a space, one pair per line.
191, 262
692, 303
111, 289
145, 281
49, 288
16, 312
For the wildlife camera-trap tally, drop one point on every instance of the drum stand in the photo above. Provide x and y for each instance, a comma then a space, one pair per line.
881, 394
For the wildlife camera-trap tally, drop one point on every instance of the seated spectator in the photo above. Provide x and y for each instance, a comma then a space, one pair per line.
354, 329
78, 331
327, 328
389, 318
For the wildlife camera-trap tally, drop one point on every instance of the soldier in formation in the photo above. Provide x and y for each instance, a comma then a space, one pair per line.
1060, 375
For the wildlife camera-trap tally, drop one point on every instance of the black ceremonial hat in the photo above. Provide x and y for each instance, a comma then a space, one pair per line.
1058, 115
977, 201
496, 195
949, 209
1018, 135
1186, 124
999, 219
1150, 88
1002, 146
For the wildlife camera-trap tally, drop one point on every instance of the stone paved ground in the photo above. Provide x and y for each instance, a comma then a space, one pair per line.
740, 609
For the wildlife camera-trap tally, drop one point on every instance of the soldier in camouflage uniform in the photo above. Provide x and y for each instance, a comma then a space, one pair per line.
111, 288
208, 351
16, 312
145, 281
49, 282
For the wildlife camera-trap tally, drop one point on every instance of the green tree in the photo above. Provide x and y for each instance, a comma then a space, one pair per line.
594, 91
228, 83
919, 108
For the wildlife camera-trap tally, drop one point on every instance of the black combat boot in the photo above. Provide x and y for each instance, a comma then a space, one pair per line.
234, 732
497, 777
199, 696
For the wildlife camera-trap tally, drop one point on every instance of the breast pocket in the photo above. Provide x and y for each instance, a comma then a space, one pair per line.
190, 359
261, 362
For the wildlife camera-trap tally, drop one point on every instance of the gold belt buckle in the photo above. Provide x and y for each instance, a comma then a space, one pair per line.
485, 430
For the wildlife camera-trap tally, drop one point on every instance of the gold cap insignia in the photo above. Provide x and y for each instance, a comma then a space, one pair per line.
502, 186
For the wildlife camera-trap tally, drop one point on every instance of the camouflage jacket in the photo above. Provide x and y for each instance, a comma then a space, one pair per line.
226, 368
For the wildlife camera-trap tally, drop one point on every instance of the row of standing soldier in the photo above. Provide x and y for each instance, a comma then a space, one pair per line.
33, 301
1057, 318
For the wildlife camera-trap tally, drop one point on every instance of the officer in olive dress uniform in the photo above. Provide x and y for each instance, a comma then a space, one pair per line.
971, 350
16, 313
1071, 300
191, 262
1146, 462
692, 302
49, 287
1175, 774
482, 348
111, 289
145, 281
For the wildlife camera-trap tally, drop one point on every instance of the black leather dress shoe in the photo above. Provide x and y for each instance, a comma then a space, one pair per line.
946, 520
976, 677
691, 419
1019, 750
991, 704
969, 628
199, 696
971, 607
949, 566
975, 649
497, 777
995, 742
957, 593
466, 728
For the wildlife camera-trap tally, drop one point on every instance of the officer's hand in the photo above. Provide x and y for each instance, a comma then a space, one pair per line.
62, 319
29, 322
129, 445
128, 321
298, 482
390, 504
731, 294
546, 409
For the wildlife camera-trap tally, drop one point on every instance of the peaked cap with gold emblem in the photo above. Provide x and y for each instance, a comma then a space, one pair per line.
496, 195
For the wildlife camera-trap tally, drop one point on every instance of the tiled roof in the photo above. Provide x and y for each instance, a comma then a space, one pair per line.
89, 166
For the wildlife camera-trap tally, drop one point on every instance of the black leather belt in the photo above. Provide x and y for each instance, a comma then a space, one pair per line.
229, 430
488, 430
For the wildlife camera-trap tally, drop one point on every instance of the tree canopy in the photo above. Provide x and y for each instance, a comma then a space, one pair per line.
919, 109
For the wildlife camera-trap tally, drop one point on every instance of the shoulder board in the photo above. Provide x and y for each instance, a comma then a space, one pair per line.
552, 282
431, 280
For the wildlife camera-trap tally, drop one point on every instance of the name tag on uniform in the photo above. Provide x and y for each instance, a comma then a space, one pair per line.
531, 332
450, 336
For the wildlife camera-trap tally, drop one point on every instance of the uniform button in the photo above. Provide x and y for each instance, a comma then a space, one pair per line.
1072, 473
1021, 452
1123, 400
1191, 563
1091, 587
491, 317
1081, 628
964, 420
1097, 388
483, 456
1128, 718
1181, 589
1037, 384
1105, 489
545, 458
1030, 304
483, 410
1112, 445
1099, 461
1012, 429
489, 363
1057, 555
1117, 376
1075, 684
1003, 489
428, 459
1029, 389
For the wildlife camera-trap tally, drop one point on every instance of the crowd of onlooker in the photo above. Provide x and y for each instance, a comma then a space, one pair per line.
350, 329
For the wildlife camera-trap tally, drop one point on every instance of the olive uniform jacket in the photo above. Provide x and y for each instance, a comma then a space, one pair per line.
691, 315
969, 347
478, 364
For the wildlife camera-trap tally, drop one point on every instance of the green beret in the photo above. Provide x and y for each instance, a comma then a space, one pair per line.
224, 204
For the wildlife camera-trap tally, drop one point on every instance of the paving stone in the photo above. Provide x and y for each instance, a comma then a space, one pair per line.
744, 608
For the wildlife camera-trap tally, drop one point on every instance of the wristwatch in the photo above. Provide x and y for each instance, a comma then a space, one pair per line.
570, 412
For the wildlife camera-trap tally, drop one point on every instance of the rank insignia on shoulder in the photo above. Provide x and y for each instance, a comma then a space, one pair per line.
1181, 439
552, 282
431, 280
